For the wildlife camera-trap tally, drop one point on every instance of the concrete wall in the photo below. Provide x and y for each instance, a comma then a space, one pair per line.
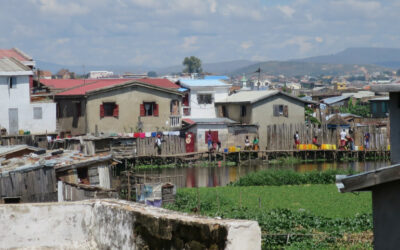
114, 224
205, 110
129, 100
200, 129
394, 116
234, 112
19, 97
263, 114
68, 119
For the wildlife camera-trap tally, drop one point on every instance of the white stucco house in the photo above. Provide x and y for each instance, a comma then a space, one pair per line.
17, 111
201, 96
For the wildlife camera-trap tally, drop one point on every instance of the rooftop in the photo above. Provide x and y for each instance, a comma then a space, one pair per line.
386, 87
255, 96
11, 66
216, 78
335, 99
187, 83
219, 120
360, 94
382, 98
96, 84
58, 159
14, 53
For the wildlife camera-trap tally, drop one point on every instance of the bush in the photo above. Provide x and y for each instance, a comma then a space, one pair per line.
275, 177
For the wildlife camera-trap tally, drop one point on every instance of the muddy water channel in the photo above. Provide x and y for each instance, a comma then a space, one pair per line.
197, 176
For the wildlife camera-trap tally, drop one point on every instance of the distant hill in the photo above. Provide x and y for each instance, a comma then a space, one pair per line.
386, 57
117, 69
294, 68
215, 68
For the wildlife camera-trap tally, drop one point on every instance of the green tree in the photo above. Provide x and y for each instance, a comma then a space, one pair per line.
151, 74
192, 65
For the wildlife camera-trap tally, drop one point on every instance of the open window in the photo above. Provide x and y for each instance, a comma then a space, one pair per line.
281, 110
109, 109
149, 109
12, 82
204, 98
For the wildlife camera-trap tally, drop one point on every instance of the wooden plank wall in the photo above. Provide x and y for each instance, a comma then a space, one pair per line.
280, 137
171, 145
37, 185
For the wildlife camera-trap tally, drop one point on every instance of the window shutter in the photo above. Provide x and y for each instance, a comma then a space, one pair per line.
101, 110
155, 111
276, 110
142, 110
285, 111
116, 111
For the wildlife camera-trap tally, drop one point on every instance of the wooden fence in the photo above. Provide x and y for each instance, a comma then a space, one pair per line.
171, 145
280, 137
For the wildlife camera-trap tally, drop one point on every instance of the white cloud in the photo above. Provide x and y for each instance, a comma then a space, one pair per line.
189, 42
213, 6
287, 10
319, 39
247, 44
56, 8
302, 42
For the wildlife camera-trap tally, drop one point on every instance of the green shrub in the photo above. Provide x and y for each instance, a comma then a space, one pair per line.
278, 177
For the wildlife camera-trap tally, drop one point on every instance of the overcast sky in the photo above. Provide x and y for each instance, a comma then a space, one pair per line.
162, 32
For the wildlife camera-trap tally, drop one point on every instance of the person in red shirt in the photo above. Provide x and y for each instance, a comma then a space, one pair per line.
315, 142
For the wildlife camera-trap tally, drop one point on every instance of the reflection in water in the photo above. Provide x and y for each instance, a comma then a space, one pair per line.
223, 175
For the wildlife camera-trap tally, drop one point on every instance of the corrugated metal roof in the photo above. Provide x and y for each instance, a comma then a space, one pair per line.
248, 96
187, 83
218, 120
360, 94
253, 96
384, 98
65, 83
216, 78
13, 67
14, 53
78, 88
335, 99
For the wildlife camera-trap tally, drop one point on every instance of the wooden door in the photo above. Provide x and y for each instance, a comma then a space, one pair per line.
13, 121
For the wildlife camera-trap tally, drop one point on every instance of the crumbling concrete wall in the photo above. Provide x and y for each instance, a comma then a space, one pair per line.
115, 224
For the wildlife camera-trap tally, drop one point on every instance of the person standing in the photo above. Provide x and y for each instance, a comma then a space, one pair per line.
255, 143
247, 143
158, 144
296, 138
366, 140
343, 135
209, 140
315, 142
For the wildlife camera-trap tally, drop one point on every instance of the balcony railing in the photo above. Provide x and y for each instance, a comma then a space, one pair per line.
175, 121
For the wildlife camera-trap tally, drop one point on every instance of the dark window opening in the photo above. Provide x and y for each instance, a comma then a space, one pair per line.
204, 99
149, 109
83, 176
109, 108
12, 82
78, 108
242, 110
224, 111
281, 110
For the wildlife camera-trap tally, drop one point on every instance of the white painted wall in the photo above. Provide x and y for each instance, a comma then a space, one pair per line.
106, 224
206, 110
19, 98
200, 131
